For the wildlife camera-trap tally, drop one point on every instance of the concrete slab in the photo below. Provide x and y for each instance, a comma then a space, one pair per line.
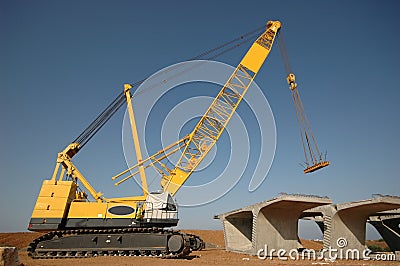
388, 225
348, 221
272, 222
344, 225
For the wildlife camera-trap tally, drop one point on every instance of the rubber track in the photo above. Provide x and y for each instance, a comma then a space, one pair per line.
61, 254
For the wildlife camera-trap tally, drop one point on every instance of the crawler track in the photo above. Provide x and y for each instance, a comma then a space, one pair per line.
85, 243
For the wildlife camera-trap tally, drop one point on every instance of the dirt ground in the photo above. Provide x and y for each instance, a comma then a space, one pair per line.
211, 256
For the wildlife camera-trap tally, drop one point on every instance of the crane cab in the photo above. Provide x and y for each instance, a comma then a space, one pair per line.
160, 206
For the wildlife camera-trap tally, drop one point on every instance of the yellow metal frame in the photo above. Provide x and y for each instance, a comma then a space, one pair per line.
64, 160
154, 161
127, 88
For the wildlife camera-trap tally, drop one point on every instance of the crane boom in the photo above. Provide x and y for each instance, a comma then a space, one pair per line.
212, 124
127, 88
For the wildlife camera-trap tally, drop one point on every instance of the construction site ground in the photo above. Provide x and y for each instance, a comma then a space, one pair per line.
215, 254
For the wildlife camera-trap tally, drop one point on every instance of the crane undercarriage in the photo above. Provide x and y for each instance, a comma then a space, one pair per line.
82, 243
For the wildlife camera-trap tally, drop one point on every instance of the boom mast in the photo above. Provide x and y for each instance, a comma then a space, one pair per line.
127, 88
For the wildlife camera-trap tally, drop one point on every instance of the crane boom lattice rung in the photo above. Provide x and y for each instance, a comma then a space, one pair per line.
213, 123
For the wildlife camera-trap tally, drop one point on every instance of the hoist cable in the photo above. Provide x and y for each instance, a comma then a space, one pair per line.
284, 54
146, 89
119, 101
309, 143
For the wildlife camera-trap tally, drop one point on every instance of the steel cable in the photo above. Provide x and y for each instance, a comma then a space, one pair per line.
118, 102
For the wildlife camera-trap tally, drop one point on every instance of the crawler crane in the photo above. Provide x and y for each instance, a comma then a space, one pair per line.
82, 222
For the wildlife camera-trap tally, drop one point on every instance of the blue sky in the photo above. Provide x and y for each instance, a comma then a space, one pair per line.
62, 62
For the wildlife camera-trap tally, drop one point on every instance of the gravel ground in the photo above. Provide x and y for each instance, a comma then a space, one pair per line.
216, 256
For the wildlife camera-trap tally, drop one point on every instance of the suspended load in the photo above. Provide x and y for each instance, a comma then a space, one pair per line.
313, 157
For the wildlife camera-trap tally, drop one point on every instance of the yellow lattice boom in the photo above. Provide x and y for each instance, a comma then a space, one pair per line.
213, 122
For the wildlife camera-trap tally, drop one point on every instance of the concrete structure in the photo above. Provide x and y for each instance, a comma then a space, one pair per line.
273, 223
388, 225
344, 224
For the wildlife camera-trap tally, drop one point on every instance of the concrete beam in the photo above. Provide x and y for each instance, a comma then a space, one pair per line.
238, 231
273, 223
348, 221
388, 226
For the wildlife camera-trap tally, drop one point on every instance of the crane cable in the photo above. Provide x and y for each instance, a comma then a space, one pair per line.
245, 38
313, 157
119, 101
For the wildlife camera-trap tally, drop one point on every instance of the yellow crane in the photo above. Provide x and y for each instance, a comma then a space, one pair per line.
80, 227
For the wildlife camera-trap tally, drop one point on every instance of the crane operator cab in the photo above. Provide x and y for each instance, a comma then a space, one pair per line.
160, 206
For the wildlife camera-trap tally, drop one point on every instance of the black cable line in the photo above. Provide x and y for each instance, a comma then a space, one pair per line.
118, 102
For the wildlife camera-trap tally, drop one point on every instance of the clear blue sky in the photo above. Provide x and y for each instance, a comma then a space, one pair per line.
62, 62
